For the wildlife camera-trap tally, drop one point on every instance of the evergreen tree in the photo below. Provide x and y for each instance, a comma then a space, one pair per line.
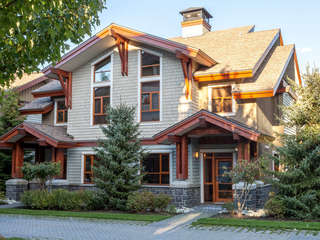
298, 186
118, 157
9, 118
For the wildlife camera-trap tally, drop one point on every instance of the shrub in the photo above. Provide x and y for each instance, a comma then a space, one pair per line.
146, 201
59, 199
275, 207
2, 198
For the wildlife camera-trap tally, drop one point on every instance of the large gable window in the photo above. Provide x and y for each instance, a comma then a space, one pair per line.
150, 101
150, 64
101, 101
61, 112
156, 169
221, 101
102, 70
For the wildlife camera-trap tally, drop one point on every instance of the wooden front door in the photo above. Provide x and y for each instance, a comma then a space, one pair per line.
217, 186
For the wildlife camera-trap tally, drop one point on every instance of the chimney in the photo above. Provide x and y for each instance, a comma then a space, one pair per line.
195, 21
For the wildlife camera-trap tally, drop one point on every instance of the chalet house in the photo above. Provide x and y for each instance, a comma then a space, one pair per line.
204, 101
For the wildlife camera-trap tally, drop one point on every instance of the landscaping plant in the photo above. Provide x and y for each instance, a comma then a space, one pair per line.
43, 172
298, 186
118, 156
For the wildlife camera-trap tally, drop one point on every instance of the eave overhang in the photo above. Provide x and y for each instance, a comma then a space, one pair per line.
43, 110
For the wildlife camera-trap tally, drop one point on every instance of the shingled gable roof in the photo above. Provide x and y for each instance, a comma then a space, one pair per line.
53, 88
136, 36
53, 135
37, 106
193, 121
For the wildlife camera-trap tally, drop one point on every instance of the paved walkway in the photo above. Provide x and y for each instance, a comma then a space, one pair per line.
175, 228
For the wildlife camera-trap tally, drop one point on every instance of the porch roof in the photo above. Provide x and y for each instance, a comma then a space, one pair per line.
204, 116
37, 106
52, 88
52, 135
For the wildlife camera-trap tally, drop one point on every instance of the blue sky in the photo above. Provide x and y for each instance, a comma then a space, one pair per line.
299, 20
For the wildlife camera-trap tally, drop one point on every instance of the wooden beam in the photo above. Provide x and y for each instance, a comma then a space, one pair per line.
48, 94
186, 64
207, 131
178, 161
13, 161
236, 136
19, 155
249, 95
174, 138
122, 45
246, 151
224, 76
60, 159
184, 157
65, 79
42, 142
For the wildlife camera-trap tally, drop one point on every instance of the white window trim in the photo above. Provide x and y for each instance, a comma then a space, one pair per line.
170, 167
100, 84
149, 79
233, 113
55, 113
82, 167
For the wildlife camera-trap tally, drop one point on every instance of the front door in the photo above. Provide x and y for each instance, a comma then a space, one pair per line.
217, 186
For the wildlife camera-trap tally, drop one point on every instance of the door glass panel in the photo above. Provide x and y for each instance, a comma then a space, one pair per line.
224, 167
165, 179
225, 186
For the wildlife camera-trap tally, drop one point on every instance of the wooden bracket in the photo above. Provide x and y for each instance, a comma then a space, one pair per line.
186, 64
122, 44
65, 79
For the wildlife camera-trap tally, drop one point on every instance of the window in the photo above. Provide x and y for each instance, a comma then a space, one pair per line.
150, 64
156, 169
62, 112
101, 101
222, 99
88, 171
150, 101
102, 70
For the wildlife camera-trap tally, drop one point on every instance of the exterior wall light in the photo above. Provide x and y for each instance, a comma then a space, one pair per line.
196, 155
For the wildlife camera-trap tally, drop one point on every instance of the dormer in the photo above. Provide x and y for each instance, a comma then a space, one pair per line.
196, 21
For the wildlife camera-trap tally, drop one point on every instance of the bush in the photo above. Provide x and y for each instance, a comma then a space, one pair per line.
147, 201
2, 198
275, 207
59, 199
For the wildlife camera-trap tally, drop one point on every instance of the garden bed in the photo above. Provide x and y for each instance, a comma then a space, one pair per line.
105, 215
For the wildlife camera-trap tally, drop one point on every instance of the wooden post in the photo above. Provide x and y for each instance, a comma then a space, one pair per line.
246, 152
184, 157
60, 159
13, 162
19, 154
178, 161
240, 152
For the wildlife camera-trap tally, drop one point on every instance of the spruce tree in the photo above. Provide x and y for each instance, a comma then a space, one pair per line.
118, 157
298, 186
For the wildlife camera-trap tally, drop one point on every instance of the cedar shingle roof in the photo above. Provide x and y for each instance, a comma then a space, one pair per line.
52, 86
37, 104
235, 49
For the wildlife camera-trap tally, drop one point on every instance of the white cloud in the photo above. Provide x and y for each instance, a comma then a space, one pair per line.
305, 50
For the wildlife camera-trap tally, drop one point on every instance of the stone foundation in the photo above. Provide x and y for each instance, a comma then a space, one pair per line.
181, 197
258, 196
15, 188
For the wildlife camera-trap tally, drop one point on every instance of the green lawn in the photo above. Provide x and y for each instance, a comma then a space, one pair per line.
259, 224
93, 215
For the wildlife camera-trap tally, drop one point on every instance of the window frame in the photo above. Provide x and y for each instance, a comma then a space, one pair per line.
101, 98
94, 69
160, 173
56, 123
233, 107
100, 84
150, 107
92, 156
149, 79
141, 67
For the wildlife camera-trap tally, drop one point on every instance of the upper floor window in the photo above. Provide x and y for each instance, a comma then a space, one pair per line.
101, 101
61, 112
150, 64
150, 101
102, 70
156, 169
88, 169
221, 99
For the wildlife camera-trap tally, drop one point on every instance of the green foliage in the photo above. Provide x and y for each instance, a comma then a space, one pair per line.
9, 118
59, 199
298, 186
36, 32
2, 198
118, 156
147, 201
275, 207
229, 206
42, 171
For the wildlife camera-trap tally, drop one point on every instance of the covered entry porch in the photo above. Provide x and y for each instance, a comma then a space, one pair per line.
206, 147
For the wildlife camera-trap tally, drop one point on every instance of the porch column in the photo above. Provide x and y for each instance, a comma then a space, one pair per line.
178, 161
17, 160
184, 157
60, 159
243, 151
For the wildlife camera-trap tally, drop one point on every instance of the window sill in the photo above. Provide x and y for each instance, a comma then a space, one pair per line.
149, 123
60, 124
155, 185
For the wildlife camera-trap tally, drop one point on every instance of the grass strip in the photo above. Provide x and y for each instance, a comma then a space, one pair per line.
259, 224
92, 215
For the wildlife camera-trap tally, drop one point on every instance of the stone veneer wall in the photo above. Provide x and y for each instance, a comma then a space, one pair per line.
181, 197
